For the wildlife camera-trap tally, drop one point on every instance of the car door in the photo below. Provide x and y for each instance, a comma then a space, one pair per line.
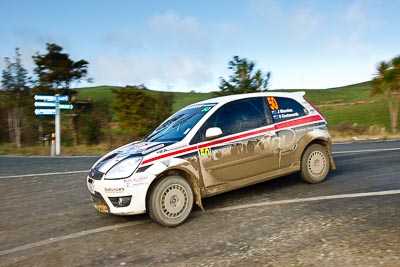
285, 114
246, 147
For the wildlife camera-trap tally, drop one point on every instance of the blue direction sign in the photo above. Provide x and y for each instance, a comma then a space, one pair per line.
49, 98
53, 105
63, 98
41, 111
52, 98
45, 104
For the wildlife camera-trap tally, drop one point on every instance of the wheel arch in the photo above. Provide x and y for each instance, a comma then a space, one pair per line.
325, 143
190, 178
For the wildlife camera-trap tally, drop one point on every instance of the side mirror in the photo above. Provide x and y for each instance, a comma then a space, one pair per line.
213, 132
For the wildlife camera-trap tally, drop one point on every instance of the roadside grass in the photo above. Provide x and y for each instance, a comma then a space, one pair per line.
8, 149
366, 114
80, 150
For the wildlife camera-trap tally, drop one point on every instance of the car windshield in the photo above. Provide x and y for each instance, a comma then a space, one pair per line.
176, 127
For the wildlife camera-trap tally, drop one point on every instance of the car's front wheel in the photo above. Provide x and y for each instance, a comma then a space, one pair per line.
314, 164
170, 201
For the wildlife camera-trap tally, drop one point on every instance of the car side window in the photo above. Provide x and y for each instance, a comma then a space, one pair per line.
234, 117
283, 109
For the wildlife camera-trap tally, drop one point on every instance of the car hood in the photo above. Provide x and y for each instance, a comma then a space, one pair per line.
136, 149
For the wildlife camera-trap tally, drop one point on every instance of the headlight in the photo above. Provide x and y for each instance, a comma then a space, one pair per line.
123, 169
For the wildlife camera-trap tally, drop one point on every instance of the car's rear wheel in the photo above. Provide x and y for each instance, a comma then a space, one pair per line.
314, 164
170, 201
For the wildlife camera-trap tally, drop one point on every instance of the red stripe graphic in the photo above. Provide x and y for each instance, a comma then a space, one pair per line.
277, 126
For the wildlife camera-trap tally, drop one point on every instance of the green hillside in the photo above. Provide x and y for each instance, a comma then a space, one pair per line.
350, 103
105, 92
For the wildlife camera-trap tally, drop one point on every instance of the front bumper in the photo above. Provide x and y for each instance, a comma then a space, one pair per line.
120, 196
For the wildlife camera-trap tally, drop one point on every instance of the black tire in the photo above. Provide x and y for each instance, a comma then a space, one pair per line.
170, 201
314, 164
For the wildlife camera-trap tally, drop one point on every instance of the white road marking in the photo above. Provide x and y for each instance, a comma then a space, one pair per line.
308, 199
70, 236
42, 174
245, 206
366, 150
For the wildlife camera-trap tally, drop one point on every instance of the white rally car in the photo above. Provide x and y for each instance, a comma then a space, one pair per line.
211, 147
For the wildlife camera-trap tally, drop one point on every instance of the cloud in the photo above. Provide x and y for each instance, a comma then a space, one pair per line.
183, 68
359, 24
182, 31
304, 23
170, 38
355, 12
228, 32
358, 15
121, 69
26, 52
2, 63
298, 23
26, 55
123, 38
268, 9
180, 72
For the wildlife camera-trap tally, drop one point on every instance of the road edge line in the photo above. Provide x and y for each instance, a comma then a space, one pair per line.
309, 199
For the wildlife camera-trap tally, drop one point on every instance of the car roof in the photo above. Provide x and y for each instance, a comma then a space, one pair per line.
225, 99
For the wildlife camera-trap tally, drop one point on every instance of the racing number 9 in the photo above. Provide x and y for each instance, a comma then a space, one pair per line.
272, 103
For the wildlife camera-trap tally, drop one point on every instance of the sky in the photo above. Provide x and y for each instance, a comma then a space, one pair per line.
184, 46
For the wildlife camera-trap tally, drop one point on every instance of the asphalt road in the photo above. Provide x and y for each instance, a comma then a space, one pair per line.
352, 219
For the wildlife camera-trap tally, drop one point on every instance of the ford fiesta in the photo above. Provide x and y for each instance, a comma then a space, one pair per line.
211, 147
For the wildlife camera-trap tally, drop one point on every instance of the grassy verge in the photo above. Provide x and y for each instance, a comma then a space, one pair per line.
80, 150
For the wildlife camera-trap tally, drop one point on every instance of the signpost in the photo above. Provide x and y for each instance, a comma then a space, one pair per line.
51, 107
65, 106
40, 112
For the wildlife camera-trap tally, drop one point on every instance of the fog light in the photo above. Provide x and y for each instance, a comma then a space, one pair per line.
124, 201
120, 201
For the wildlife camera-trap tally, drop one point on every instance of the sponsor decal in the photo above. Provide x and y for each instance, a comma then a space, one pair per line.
152, 149
161, 151
310, 128
205, 107
273, 104
135, 181
205, 151
278, 114
111, 190
288, 110
290, 115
